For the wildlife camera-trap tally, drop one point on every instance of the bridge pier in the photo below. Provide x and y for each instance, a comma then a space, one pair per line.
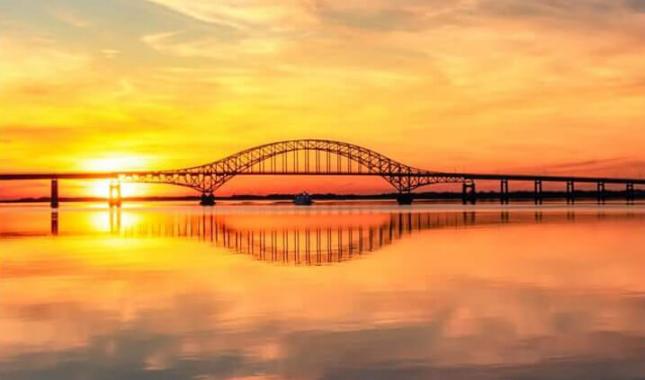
503, 192
601, 192
404, 198
571, 192
53, 200
114, 196
207, 199
469, 192
538, 192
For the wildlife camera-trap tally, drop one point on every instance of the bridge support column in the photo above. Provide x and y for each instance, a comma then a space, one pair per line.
571, 192
503, 192
404, 198
469, 192
207, 199
114, 196
53, 200
600, 186
538, 192
630, 194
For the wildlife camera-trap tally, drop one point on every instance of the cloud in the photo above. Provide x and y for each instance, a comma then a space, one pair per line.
392, 16
586, 163
176, 43
110, 53
266, 14
70, 17
37, 60
636, 5
551, 8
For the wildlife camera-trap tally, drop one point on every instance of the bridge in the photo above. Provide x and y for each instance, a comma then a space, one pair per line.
318, 157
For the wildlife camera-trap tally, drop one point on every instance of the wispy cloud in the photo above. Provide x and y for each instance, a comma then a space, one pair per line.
68, 16
636, 5
266, 14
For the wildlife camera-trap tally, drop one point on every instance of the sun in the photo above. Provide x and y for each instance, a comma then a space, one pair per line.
101, 188
114, 162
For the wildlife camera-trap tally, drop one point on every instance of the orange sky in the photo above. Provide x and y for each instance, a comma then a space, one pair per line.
472, 85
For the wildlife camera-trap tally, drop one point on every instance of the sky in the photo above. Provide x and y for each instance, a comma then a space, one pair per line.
534, 86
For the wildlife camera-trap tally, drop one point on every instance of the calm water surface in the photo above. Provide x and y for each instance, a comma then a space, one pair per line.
364, 291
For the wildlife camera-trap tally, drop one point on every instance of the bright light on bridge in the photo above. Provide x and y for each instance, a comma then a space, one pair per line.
110, 163
101, 188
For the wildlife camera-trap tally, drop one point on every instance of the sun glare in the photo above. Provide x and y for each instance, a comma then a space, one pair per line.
113, 163
101, 189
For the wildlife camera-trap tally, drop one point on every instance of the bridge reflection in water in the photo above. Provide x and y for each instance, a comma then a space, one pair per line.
315, 238
299, 240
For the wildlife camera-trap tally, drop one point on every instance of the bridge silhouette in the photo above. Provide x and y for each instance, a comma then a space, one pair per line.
317, 157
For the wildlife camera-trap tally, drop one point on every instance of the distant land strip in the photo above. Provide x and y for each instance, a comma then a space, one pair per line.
439, 196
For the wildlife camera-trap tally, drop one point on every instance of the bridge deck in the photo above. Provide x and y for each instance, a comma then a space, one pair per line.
471, 176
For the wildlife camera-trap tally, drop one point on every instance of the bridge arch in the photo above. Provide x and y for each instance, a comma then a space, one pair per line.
299, 157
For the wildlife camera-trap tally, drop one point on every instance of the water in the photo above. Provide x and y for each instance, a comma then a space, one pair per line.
337, 291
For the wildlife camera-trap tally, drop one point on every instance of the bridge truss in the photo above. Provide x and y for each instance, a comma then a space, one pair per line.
298, 157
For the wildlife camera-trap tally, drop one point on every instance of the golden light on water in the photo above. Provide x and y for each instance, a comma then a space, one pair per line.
452, 293
113, 220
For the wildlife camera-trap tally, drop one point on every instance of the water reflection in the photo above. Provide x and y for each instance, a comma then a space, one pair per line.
54, 222
306, 238
485, 294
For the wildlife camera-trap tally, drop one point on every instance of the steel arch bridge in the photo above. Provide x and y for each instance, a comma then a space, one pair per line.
331, 158
297, 157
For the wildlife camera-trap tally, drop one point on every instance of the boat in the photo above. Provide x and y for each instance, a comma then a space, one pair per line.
303, 199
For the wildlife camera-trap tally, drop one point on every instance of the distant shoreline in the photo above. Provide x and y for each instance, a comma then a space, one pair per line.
448, 196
